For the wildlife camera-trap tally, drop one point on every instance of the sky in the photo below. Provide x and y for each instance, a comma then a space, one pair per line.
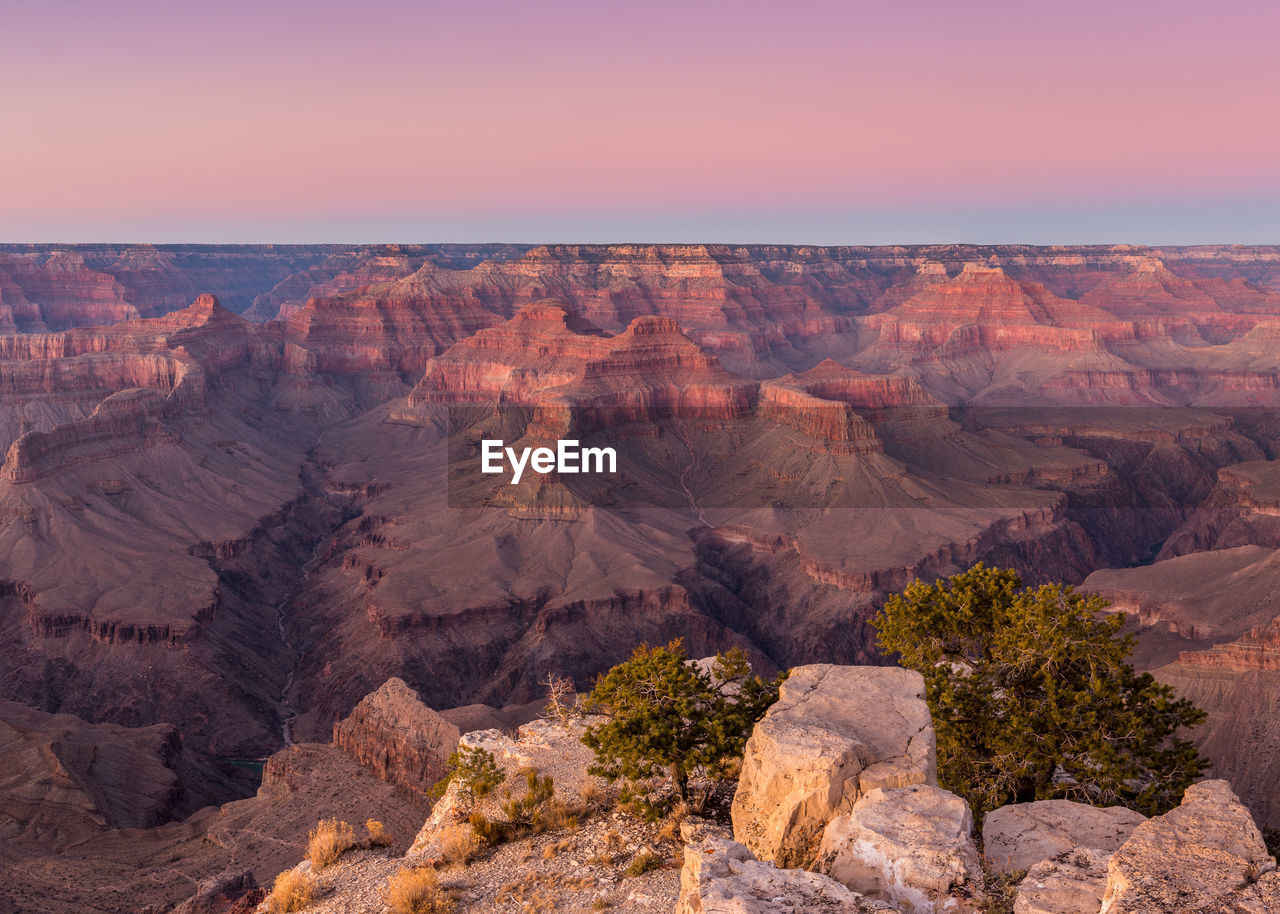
806, 121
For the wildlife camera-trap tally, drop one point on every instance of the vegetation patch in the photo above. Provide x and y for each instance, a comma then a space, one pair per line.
292, 891
378, 834
1032, 697
417, 891
659, 715
329, 840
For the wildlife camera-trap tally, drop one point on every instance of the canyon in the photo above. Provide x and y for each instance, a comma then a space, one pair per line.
241, 490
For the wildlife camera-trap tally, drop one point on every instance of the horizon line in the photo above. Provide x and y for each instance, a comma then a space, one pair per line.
651, 243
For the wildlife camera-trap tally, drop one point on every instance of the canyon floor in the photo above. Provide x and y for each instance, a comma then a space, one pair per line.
240, 493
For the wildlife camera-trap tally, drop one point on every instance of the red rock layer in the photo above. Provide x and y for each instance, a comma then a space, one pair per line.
1259, 649
401, 740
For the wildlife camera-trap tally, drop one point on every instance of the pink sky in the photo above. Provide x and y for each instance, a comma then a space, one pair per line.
802, 121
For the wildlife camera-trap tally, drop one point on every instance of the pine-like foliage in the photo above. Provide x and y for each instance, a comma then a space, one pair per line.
664, 715
1033, 698
475, 770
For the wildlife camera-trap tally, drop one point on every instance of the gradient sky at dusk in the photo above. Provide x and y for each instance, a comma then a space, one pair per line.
493, 120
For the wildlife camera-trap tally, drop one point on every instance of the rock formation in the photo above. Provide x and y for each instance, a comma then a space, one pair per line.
1018, 836
834, 735
721, 877
1206, 855
1072, 882
911, 846
65, 779
400, 739
228, 893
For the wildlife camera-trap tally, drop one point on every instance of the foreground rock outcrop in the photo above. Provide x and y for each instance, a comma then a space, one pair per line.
1020, 835
720, 876
835, 734
1204, 856
1070, 883
911, 846
908, 849
399, 738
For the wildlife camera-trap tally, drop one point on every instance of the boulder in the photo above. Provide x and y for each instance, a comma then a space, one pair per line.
721, 877
1070, 883
1019, 836
911, 846
1202, 855
835, 733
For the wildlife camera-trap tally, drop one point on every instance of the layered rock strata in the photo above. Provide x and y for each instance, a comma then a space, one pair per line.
400, 739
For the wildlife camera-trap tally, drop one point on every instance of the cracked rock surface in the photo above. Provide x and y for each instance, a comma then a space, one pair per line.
835, 733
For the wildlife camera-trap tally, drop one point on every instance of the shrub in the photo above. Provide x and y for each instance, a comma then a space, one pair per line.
1000, 890
1032, 698
417, 891
646, 801
562, 700
590, 794
328, 841
378, 834
476, 772
488, 832
291, 892
643, 862
534, 809
458, 844
664, 715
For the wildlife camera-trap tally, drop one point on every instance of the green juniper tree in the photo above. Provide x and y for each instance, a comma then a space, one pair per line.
1032, 696
475, 770
664, 715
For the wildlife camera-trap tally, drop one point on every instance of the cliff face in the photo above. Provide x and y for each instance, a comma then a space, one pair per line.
65, 780
398, 738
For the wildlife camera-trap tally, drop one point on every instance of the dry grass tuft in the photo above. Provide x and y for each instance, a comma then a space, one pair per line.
590, 794
292, 891
561, 815
536, 893
328, 841
643, 862
417, 891
670, 829
459, 844
378, 834
553, 850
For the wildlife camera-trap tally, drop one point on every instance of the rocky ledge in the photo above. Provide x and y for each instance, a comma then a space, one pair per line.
840, 775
